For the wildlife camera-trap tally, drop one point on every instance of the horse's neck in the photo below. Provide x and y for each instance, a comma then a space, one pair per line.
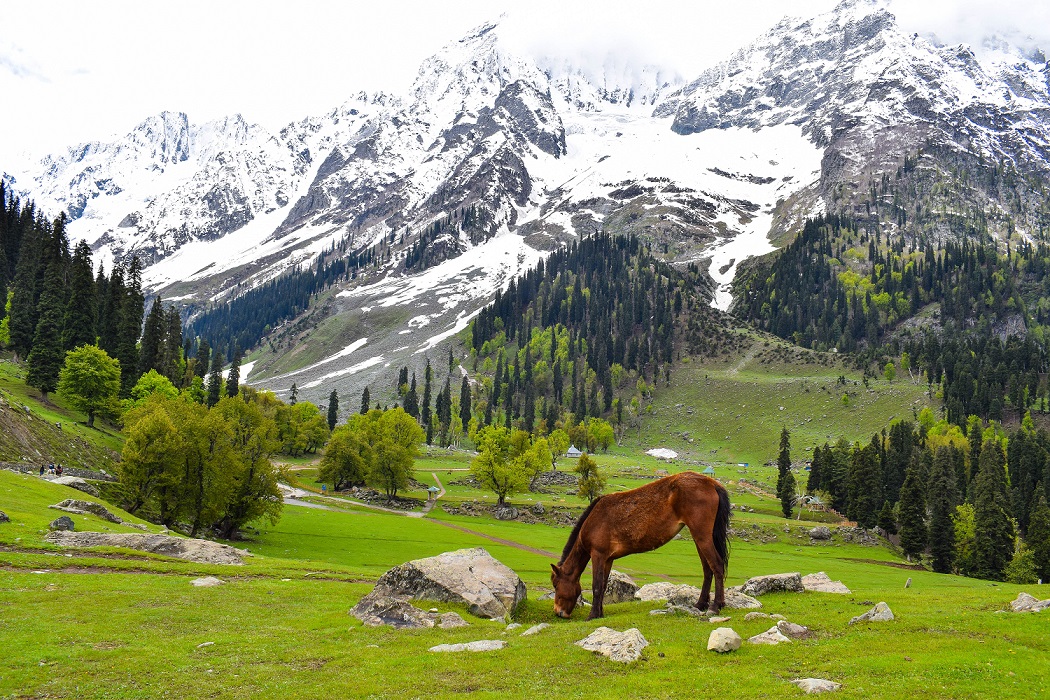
577, 560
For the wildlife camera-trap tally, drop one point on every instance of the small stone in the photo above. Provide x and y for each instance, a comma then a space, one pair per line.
205, 644
880, 613
63, 522
451, 620
822, 583
4, 518
513, 626
433, 610
724, 639
777, 616
719, 620
480, 645
535, 629
816, 685
793, 631
755, 616
623, 647
907, 584
206, 582
771, 636
735, 600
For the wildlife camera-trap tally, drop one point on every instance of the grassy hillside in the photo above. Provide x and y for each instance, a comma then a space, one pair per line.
120, 625
30, 427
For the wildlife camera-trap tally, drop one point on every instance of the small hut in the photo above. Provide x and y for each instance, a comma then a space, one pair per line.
572, 452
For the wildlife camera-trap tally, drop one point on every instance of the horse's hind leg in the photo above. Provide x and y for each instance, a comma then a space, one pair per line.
600, 567
705, 592
714, 568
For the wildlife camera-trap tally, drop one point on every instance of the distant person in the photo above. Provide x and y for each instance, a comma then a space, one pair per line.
324, 488
59, 470
41, 470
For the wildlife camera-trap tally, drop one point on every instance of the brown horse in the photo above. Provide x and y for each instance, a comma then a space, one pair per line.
641, 520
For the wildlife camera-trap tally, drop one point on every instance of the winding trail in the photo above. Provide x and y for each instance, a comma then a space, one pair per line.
751, 353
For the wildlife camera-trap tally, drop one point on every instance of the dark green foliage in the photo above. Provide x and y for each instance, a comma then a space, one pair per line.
912, 513
365, 401
129, 327
24, 316
203, 359
46, 358
994, 533
942, 497
464, 403
886, 521
333, 408
153, 336
865, 485
171, 354
1039, 537
816, 469
411, 403
233, 380
785, 479
79, 324
215, 380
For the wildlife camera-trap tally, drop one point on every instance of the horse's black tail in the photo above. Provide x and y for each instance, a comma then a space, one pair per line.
721, 532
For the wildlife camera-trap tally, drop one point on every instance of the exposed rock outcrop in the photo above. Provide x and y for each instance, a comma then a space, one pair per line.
201, 551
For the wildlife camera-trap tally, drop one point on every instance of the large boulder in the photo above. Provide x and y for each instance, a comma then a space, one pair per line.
822, 583
723, 639
685, 596
62, 523
1029, 603
200, 551
470, 576
624, 647
77, 483
377, 609
621, 588
821, 532
880, 613
78, 507
774, 583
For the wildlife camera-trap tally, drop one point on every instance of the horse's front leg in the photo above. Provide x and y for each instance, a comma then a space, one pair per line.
600, 567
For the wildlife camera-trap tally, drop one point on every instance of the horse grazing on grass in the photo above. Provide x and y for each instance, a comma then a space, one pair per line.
641, 520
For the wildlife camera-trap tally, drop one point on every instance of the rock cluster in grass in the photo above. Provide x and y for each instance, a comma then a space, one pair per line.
195, 550
1029, 603
78, 507
623, 647
880, 613
773, 583
62, 523
771, 636
471, 576
77, 483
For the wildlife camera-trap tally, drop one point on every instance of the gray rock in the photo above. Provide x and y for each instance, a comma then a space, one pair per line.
735, 600
822, 583
793, 631
206, 582
776, 616
724, 639
820, 532
685, 596
624, 647
718, 620
774, 583
513, 626
505, 512
755, 616
377, 609
771, 636
661, 590
200, 551
451, 620
621, 588
471, 576
78, 507
538, 509
880, 613
77, 483
535, 629
690, 610
62, 523
816, 685
4, 518
1029, 603
480, 645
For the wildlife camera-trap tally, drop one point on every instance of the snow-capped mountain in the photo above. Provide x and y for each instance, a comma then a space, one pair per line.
515, 154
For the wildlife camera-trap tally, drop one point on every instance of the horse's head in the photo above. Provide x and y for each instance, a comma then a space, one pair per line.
567, 591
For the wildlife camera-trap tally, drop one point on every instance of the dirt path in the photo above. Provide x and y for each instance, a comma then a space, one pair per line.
429, 505
751, 353
498, 540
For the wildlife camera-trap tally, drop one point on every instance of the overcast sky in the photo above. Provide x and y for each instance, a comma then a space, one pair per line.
75, 71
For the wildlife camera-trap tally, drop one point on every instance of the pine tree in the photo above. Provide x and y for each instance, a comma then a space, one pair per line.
23, 317
424, 413
47, 356
942, 496
1039, 536
865, 488
886, 521
215, 379
233, 380
171, 356
444, 404
816, 469
150, 350
79, 324
912, 516
785, 479
412, 400
203, 359
464, 403
993, 530
365, 401
129, 327
333, 409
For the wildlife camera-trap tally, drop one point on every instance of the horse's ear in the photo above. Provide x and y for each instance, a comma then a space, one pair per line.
555, 568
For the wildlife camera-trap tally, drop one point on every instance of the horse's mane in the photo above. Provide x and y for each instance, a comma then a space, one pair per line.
576, 531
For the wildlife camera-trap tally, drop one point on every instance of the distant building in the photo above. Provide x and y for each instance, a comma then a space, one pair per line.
572, 452
710, 471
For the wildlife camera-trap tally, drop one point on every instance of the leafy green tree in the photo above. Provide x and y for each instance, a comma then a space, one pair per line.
252, 485
942, 496
501, 465
152, 382
964, 536
993, 529
559, 443
149, 465
90, 382
396, 448
591, 481
46, 357
601, 433
912, 514
1021, 568
347, 457
889, 371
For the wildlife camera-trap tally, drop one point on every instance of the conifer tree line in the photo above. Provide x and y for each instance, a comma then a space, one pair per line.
975, 504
